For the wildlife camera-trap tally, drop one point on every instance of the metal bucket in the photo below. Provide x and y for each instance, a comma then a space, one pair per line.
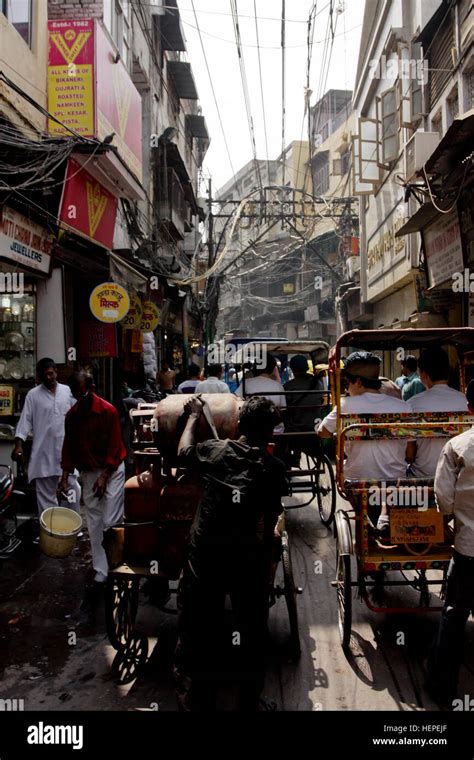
59, 527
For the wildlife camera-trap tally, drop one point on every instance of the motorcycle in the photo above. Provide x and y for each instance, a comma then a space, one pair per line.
148, 395
9, 522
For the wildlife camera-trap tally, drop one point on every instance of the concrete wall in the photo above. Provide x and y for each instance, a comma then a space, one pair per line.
27, 67
70, 9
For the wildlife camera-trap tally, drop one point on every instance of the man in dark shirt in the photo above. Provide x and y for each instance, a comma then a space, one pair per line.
93, 444
230, 553
301, 420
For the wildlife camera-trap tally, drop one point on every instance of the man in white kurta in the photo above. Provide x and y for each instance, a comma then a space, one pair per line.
42, 416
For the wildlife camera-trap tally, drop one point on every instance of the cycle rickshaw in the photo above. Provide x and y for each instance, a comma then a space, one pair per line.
315, 478
421, 539
160, 504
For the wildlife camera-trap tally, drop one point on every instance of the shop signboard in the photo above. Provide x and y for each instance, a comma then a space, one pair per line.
443, 249
109, 302
24, 242
71, 77
98, 340
150, 317
137, 342
118, 105
133, 319
471, 310
6, 400
87, 207
90, 91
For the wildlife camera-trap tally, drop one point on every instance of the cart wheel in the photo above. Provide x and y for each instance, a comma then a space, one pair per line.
121, 604
290, 597
344, 598
326, 491
130, 659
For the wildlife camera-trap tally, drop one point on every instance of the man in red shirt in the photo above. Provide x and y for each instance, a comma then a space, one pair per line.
93, 444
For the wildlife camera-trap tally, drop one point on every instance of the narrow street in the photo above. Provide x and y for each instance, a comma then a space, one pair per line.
54, 661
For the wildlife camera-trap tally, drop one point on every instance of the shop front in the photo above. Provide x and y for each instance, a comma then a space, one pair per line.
25, 267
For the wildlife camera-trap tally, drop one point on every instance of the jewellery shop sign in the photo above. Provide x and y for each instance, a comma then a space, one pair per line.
24, 242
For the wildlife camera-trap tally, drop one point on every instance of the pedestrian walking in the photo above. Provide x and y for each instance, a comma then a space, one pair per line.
43, 417
454, 484
93, 444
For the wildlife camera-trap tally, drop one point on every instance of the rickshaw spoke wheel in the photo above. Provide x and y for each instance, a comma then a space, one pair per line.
290, 597
130, 659
326, 491
344, 598
121, 604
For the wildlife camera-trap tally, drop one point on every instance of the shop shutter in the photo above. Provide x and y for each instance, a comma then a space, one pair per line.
441, 62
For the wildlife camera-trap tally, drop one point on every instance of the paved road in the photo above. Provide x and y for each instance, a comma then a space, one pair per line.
49, 658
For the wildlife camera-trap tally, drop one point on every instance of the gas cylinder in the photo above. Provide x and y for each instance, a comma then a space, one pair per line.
142, 491
141, 509
170, 421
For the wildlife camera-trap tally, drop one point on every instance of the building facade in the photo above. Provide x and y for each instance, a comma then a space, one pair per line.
413, 82
101, 143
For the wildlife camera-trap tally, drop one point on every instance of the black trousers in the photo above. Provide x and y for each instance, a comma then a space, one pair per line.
447, 653
202, 653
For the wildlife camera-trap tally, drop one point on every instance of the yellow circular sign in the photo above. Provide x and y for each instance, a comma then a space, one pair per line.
134, 317
150, 317
109, 302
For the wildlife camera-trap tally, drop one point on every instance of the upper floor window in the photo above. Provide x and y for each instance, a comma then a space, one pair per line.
118, 20
321, 173
18, 13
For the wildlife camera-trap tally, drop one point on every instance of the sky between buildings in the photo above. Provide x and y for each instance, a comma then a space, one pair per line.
215, 21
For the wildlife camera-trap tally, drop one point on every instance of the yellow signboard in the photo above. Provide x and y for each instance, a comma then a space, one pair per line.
134, 317
6, 400
71, 76
109, 302
150, 317
412, 526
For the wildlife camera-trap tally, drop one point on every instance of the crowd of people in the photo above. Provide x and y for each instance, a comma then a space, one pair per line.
78, 454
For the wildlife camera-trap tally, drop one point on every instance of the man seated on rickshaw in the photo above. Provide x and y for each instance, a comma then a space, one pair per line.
230, 552
369, 460
303, 408
433, 367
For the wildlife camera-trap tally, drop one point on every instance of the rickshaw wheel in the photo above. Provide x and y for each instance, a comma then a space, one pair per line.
344, 598
326, 491
121, 604
130, 659
290, 597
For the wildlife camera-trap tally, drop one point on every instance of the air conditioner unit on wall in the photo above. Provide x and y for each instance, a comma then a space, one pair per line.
353, 266
417, 152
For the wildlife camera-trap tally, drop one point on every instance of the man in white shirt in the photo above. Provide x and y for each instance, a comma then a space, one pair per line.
264, 384
454, 485
382, 459
213, 384
433, 367
189, 386
43, 416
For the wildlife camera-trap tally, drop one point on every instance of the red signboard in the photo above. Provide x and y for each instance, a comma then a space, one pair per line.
87, 207
118, 105
98, 339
